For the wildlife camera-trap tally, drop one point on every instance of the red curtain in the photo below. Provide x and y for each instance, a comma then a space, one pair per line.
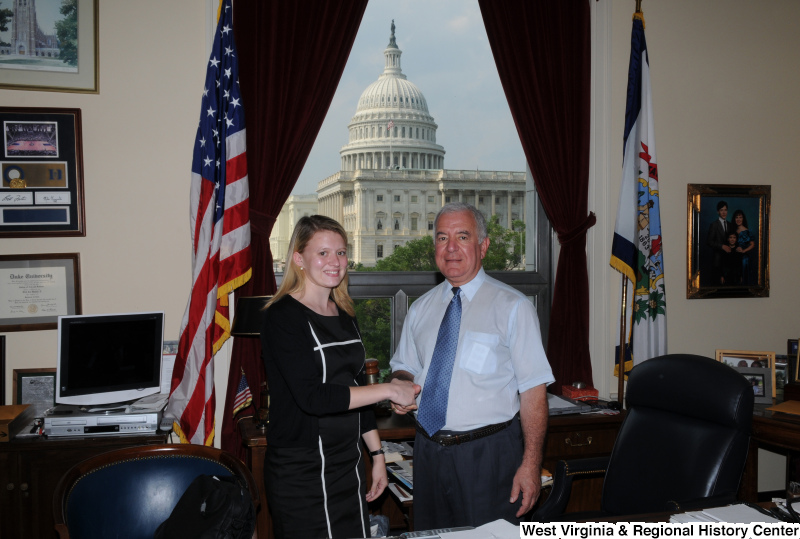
291, 57
543, 55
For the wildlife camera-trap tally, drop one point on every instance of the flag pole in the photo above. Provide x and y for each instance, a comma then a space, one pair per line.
622, 343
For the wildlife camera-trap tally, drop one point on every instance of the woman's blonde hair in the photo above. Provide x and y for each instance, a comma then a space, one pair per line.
294, 279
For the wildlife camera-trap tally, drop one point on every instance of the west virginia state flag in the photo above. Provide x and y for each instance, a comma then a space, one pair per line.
637, 249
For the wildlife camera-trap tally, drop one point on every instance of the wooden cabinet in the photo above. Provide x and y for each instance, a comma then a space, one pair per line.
30, 471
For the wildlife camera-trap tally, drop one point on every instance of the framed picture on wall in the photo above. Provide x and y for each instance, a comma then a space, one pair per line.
728, 241
41, 173
64, 57
36, 289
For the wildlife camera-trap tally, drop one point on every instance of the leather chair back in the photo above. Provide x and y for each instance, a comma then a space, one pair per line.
129, 492
685, 436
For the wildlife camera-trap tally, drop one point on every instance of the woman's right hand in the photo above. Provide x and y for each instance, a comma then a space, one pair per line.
405, 393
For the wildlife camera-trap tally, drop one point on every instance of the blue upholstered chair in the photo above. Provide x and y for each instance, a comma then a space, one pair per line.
682, 445
127, 493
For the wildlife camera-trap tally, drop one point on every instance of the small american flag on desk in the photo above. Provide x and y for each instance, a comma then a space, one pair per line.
243, 396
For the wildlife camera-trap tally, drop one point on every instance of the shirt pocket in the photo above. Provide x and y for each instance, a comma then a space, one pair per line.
480, 352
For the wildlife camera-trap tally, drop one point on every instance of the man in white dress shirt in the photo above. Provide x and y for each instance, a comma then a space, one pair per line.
485, 463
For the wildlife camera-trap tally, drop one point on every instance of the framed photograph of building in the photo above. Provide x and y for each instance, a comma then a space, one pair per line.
50, 45
41, 167
728, 241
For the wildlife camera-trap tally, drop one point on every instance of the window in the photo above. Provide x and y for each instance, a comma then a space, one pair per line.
480, 200
446, 200
380, 225
397, 198
430, 200
414, 199
413, 223
379, 251
497, 200
430, 225
380, 198
397, 224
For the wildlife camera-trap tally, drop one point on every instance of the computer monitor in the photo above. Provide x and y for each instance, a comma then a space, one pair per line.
109, 358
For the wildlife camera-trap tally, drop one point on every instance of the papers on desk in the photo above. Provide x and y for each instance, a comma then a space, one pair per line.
401, 494
732, 514
499, 529
403, 471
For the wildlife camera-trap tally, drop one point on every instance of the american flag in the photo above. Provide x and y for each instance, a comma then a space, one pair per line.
243, 395
220, 227
390, 125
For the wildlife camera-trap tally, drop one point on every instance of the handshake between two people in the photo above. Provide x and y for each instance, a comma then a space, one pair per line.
407, 392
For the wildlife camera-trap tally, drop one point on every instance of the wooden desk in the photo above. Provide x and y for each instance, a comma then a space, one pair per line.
775, 432
30, 469
568, 436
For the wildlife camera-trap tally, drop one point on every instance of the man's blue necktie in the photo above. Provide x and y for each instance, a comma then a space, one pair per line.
433, 407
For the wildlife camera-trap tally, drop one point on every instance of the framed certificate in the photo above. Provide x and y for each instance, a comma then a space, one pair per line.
36, 289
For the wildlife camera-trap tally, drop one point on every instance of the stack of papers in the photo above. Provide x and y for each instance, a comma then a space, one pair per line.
403, 471
394, 452
734, 514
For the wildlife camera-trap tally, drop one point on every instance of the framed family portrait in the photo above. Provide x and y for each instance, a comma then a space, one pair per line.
748, 363
36, 289
728, 241
63, 57
41, 188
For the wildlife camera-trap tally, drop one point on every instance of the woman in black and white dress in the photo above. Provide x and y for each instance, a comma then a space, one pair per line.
319, 403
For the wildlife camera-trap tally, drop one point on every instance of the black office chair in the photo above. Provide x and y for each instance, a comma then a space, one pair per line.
682, 445
127, 493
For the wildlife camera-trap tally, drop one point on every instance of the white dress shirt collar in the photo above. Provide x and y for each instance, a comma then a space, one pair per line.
468, 290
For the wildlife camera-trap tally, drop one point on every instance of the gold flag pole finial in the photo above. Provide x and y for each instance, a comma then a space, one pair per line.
638, 13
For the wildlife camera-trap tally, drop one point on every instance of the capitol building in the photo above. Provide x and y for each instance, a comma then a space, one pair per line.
392, 179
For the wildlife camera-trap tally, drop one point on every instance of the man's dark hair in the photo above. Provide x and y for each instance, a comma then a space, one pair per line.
721, 204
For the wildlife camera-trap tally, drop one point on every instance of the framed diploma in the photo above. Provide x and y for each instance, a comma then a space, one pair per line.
41, 173
36, 289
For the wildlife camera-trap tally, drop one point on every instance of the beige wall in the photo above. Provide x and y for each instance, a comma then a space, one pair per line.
725, 76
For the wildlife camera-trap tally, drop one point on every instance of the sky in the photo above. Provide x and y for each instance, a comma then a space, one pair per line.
446, 55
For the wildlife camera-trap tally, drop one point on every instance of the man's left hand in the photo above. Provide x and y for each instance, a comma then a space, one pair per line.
528, 481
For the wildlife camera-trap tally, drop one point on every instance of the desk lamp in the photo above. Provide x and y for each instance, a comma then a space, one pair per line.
248, 318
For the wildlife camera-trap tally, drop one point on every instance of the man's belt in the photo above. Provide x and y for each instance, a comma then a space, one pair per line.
447, 438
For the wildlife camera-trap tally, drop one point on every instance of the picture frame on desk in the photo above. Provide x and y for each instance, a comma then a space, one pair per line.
744, 359
36, 289
713, 269
34, 386
41, 173
791, 347
762, 382
2, 370
781, 373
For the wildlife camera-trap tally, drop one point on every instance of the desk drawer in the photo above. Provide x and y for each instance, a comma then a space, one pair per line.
579, 443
